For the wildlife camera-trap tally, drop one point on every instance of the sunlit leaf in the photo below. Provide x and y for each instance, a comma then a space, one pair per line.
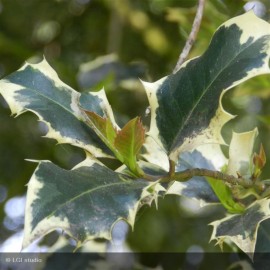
186, 108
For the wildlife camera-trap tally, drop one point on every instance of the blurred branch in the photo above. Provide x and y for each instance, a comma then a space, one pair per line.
192, 36
115, 32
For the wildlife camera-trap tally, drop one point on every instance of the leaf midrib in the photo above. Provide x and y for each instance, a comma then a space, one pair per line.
85, 193
53, 101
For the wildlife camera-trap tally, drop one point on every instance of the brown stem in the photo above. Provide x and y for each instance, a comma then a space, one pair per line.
172, 168
192, 36
188, 174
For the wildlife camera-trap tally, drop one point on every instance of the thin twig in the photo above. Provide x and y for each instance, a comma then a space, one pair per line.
188, 174
192, 36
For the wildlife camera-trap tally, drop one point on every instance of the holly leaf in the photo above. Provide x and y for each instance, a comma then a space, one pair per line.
186, 108
103, 128
154, 154
129, 141
85, 201
37, 88
125, 143
98, 103
242, 229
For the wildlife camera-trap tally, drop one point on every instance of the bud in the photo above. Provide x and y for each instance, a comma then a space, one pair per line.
259, 161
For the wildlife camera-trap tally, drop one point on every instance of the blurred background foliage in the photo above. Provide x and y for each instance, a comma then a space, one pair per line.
111, 44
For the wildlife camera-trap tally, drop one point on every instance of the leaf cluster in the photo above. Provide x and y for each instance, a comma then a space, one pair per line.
178, 154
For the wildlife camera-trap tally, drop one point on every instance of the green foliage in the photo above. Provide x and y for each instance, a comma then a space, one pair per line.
181, 118
225, 196
102, 195
186, 115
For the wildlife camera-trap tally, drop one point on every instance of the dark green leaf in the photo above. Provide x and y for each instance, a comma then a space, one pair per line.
85, 202
186, 109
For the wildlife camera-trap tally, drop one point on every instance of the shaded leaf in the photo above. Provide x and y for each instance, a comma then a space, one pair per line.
263, 238
85, 201
152, 169
242, 228
37, 88
197, 187
186, 109
107, 68
206, 190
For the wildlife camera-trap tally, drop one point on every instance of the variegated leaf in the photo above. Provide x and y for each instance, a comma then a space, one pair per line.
186, 108
85, 201
240, 163
37, 88
154, 154
242, 229
97, 102
240, 153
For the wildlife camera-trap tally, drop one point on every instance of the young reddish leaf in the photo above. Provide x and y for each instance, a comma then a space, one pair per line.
125, 143
262, 155
259, 161
103, 127
129, 141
